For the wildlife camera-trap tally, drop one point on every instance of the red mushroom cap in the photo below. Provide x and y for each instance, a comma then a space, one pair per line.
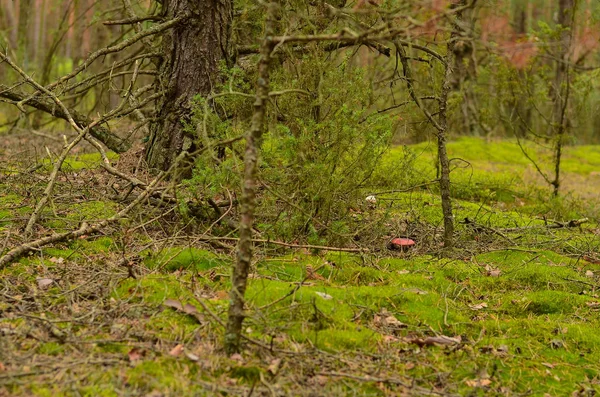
401, 243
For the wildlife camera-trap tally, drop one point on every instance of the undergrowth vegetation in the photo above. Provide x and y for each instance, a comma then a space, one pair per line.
512, 310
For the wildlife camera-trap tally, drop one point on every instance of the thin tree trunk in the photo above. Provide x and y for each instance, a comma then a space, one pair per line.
520, 105
442, 133
442, 152
24, 11
561, 91
248, 201
193, 52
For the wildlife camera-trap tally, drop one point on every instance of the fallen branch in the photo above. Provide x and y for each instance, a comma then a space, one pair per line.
553, 225
85, 229
288, 245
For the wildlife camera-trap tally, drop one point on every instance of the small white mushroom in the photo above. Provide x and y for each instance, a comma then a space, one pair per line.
371, 199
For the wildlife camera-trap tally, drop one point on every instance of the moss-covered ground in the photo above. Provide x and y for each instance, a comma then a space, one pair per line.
513, 310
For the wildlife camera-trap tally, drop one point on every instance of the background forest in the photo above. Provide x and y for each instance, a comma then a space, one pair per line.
293, 197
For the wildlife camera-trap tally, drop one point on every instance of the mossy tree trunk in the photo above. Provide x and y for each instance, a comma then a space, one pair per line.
193, 52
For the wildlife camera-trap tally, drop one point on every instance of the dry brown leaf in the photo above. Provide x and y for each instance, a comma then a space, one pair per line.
190, 309
435, 340
192, 356
592, 305
44, 282
136, 354
478, 382
176, 351
312, 275
273, 368
479, 306
220, 295
174, 304
394, 322
237, 357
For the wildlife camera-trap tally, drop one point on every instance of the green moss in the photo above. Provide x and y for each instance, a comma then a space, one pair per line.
82, 161
94, 244
175, 258
160, 373
248, 374
152, 289
51, 348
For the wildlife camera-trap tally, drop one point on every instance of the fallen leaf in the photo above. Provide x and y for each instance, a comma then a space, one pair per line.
324, 295
592, 305
435, 340
190, 309
273, 368
237, 357
409, 366
176, 351
187, 309
312, 275
478, 382
136, 354
551, 366
479, 306
592, 259
394, 322
192, 356
589, 273
44, 282
174, 304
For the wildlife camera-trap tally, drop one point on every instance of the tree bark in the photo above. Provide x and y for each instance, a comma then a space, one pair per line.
193, 54
442, 131
248, 202
561, 90
23, 30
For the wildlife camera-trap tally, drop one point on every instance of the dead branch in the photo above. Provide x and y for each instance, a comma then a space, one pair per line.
288, 245
133, 20
85, 229
81, 132
112, 49
103, 134
555, 225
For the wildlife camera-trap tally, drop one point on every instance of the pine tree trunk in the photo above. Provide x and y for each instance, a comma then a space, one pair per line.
193, 52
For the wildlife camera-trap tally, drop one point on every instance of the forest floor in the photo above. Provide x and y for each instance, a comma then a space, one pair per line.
136, 311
